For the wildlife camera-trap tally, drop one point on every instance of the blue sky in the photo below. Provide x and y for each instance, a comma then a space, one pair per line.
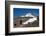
23, 11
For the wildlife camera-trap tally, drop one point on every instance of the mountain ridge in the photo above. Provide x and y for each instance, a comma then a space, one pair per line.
27, 15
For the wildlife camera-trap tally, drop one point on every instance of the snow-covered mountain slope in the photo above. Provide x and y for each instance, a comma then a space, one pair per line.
30, 20
28, 15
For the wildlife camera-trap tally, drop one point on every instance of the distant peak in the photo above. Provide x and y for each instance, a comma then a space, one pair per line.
28, 15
